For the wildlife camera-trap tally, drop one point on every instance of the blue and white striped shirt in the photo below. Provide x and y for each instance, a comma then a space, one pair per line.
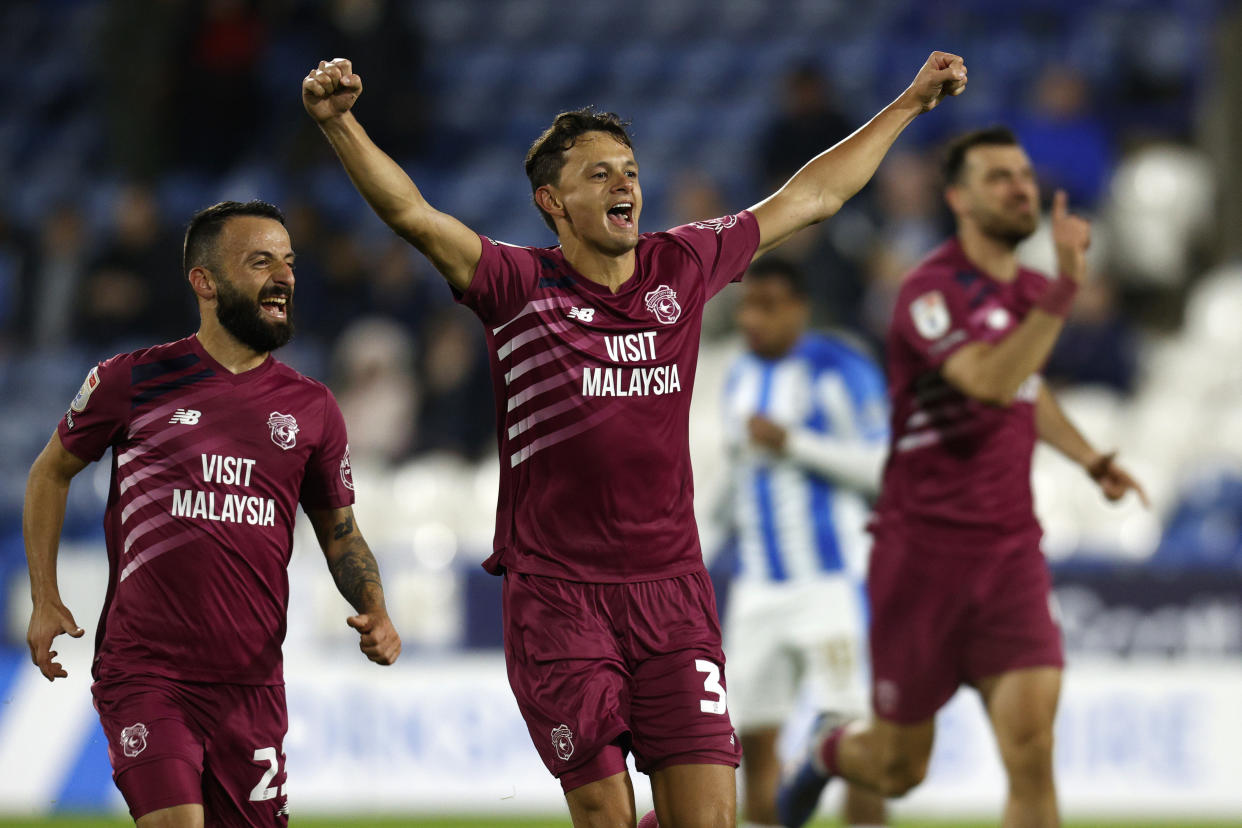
802, 514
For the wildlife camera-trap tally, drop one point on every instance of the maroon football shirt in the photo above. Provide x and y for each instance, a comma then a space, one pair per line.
593, 401
959, 470
208, 468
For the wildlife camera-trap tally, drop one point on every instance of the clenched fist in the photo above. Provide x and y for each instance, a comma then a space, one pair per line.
330, 90
942, 75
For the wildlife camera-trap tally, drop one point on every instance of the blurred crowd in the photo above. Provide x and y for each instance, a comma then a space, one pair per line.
132, 114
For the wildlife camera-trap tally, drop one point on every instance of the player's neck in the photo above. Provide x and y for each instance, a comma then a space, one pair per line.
995, 257
226, 350
608, 269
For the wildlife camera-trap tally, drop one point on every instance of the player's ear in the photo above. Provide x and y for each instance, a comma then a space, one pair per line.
548, 200
953, 198
202, 283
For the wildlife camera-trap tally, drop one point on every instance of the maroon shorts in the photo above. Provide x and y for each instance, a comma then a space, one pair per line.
181, 743
599, 669
940, 620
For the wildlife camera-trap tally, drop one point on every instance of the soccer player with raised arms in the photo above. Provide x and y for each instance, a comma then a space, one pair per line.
611, 637
214, 444
960, 592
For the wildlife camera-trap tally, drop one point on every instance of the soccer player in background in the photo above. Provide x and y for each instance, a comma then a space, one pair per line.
611, 638
960, 591
806, 427
214, 444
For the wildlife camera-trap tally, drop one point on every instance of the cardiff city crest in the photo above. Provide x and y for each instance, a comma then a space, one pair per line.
284, 430
563, 741
134, 739
663, 303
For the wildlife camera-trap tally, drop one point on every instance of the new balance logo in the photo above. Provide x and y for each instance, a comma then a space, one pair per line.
585, 314
186, 416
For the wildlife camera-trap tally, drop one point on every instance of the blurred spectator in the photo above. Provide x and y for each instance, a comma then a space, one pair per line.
808, 123
134, 286
1066, 137
13, 263
376, 390
458, 413
55, 279
223, 114
141, 35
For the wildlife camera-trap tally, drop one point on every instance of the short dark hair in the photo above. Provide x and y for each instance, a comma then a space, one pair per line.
954, 157
205, 226
546, 157
774, 267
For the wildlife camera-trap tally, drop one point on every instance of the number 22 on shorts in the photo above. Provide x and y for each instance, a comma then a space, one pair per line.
261, 791
712, 685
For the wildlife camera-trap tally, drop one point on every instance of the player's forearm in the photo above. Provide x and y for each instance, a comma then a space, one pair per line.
994, 373
43, 516
391, 193
855, 464
834, 176
357, 575
1056, 429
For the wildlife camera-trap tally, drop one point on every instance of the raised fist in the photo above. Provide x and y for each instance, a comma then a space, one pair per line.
943, 74
330, 90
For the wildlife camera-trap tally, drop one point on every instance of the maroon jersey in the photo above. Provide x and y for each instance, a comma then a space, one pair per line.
593, 401
959, 470
207, 470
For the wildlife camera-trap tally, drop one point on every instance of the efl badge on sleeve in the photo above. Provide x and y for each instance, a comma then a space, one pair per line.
930, 315
84, 393
347, 471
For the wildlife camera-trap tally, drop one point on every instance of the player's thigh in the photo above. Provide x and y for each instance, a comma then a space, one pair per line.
830, 642
571, 684
695, 796
679, 711
178, 816
155, 745
1012, 626
764, 670
244, 779
919, 611
606, 802
1022, 706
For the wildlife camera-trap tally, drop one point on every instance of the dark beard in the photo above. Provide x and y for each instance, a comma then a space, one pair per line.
242, 317
1012, 232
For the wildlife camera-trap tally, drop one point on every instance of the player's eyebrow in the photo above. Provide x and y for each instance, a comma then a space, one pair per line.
254, 254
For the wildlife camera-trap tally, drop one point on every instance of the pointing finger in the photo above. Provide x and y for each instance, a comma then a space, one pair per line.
1060, 205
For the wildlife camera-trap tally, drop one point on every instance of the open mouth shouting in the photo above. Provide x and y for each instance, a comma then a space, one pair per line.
622, 214
275, 306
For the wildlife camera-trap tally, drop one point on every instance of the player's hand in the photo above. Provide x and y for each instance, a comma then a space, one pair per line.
1113, 480
1072, 236
767, 434
378, 637
48, 620
330, 90
942, 75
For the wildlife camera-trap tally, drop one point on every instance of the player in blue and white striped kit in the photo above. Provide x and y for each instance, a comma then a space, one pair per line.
806, 424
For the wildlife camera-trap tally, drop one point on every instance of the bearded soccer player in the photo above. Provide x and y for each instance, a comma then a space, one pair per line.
960, 592
214, 444
611, 638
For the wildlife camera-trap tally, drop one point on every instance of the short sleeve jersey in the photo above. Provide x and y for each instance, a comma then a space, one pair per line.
208, 468
593, 401
959, 470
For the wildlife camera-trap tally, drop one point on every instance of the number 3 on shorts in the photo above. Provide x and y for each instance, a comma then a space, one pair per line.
712, 685
261, 791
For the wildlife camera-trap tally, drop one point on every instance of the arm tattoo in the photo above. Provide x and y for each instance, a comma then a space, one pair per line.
343, 528
357, 575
